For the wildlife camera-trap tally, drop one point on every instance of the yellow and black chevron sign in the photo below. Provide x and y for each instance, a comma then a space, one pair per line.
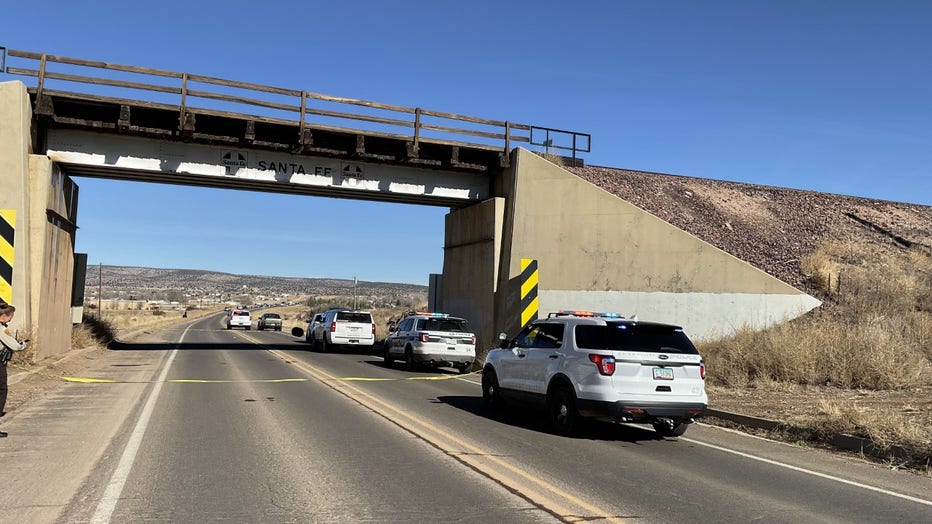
7, 228
528, 291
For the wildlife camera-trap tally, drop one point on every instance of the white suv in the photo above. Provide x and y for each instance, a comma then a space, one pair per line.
341, 326
239, 318
602, 366
433, 339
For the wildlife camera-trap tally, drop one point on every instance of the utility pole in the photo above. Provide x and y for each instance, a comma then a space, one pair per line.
100, 271
354, 293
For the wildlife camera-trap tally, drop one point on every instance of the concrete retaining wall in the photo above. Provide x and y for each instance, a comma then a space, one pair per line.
15, 147
44, 201
598, 252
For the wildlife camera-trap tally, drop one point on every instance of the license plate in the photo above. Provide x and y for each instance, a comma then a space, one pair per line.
451, 348
352, 341
663, 374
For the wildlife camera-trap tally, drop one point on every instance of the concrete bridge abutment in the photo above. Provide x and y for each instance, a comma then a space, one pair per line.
596, 252
43, 203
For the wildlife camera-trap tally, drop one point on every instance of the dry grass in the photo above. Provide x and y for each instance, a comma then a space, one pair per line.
101, 330
904, 439
126, 323
92, 331
873, 333
23, 358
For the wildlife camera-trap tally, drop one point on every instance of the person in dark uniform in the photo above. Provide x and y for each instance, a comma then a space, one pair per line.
9, 345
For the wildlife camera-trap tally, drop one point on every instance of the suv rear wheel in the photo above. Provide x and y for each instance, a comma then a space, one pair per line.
561, 404
389, 361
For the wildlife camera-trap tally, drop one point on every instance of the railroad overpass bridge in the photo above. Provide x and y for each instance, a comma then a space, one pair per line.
595, 251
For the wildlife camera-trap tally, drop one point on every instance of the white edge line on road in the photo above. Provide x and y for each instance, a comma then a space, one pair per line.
114, 489
811, 472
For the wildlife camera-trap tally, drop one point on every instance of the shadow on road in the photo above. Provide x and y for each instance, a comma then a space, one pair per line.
117, 345
380, 362
532, 419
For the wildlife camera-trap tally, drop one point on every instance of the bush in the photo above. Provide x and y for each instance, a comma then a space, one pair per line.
871, 326
92, 329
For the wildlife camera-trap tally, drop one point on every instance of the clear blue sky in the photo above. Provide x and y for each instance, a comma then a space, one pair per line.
830, 96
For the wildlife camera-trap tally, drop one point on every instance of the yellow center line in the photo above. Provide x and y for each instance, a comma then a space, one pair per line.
543, 494
89, 380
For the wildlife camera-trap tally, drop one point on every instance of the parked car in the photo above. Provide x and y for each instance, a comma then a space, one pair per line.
343, 327
600, 365
239, 318
269, 321
432, 339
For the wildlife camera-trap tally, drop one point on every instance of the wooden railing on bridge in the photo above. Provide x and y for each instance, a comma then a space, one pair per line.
173, 91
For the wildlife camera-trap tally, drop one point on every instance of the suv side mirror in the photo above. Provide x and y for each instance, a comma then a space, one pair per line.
502, 340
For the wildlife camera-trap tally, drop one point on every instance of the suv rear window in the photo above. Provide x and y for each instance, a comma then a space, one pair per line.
271, 315
350, 316
443, 324
634, 337
241, 313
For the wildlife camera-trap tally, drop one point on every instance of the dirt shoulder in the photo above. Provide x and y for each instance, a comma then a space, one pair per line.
789, 403
887, 427
31, 381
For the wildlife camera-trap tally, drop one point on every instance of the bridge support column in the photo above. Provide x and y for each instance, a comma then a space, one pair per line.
472, 248
44, 202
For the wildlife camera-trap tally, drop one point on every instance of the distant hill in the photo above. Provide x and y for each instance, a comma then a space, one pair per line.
144, 283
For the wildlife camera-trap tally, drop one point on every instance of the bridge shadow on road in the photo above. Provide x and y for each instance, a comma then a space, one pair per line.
117, 345
532, 419
379, 361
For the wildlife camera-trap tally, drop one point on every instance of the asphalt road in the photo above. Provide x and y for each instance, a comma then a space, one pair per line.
237, 426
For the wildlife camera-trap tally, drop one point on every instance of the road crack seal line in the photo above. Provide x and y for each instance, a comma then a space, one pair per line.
534, 490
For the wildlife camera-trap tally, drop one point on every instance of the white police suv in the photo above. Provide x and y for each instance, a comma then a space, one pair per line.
602, 366
432, 339
239, 318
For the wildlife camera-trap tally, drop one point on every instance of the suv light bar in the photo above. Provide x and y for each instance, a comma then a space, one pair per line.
583, 313
432, 314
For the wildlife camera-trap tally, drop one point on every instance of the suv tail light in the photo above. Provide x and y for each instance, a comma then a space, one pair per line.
702, 369
605, 363
333, 326
423, 337
472, 340
373, 329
